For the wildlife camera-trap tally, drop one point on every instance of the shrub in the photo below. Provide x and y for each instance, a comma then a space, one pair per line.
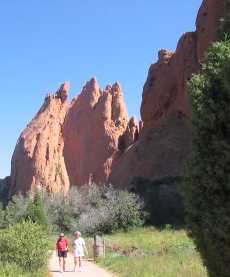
35, 211
25, 244
63, 210
207, 182
113, 210
15, 211
91, 209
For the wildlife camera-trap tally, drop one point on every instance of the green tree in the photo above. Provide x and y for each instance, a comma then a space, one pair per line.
207, 184
36, 212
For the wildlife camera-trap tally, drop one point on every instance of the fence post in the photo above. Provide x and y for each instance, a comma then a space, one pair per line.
98, 247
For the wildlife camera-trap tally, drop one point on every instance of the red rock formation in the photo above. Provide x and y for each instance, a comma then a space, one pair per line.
38, 157
207, 23
165, 141
130, 135
93, 140
93, 125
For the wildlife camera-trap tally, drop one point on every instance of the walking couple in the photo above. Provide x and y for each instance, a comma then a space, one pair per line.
79, 250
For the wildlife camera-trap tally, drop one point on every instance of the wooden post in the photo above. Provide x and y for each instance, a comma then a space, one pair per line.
99, 247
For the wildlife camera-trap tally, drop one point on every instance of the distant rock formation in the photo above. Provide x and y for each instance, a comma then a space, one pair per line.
92, 128
165, 140
38, 157
93, 140
71, 143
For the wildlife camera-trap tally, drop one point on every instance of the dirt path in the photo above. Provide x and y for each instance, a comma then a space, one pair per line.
89, 269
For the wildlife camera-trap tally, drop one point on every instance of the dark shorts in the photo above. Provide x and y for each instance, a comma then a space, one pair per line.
62, 254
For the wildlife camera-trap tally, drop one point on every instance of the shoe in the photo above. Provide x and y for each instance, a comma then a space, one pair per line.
80, 269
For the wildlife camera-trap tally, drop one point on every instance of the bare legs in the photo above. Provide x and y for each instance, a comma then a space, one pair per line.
80, 263
75, 263
62, 261
77, 260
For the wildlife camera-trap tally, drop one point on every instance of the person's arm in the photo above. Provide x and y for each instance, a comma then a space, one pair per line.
85, 248
57, 247
66, 244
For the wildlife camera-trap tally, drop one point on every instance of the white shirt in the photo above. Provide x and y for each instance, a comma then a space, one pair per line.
78, 245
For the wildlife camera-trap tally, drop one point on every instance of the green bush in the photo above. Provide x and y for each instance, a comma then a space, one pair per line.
110, 210
93, 209
15, 211
35, 211
63, 210
25, 244
207, 182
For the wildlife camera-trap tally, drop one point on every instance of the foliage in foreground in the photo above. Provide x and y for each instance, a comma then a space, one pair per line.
26, 245
12, 270
149, 252
207, 184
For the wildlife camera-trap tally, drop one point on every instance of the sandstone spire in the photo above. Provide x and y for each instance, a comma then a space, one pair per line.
93, 125
38, 157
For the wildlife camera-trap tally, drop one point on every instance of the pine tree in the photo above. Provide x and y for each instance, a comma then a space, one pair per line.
207, 183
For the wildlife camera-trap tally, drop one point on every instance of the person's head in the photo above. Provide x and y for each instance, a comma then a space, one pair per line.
61, 236
77, 234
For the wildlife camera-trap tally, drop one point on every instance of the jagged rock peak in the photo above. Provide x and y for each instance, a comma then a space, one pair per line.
63, 91
164, 56
116, 88
91, 85
108, 88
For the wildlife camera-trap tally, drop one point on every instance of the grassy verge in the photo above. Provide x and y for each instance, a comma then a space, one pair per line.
12, 270
148, 252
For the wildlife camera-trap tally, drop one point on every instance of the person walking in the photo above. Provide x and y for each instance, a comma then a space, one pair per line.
62, 249
79, 250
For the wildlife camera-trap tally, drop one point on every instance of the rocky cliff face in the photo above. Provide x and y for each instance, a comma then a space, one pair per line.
92, 139
71, 144
165, 141
95, 121
38, 157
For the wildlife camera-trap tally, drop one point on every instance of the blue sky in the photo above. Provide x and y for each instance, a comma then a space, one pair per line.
45, 42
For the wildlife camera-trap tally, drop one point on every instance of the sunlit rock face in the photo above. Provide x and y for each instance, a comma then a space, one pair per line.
38, 159
165, 139
93, 125
93, 140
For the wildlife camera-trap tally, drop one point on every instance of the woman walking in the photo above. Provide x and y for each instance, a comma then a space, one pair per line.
78, 250
62, 249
